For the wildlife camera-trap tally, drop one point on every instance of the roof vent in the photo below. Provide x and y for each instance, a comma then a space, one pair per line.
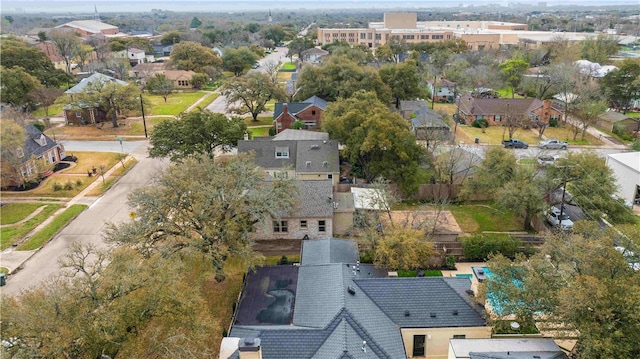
455, 312
325, 164
315, 147
308, 163
351, 290
470, 292
432, 314
249, 341
407, 313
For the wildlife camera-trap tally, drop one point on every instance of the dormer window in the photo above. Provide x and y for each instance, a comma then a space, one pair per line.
282, 152
19, 152
42, 140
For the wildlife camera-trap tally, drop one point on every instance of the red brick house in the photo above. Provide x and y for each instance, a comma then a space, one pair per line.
495, 110
308, 111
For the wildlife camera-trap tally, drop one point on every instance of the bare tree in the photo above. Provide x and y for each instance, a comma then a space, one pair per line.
271, 68
67, 44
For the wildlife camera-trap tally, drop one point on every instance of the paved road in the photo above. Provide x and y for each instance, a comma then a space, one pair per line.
104, 146
89, 226
219, 105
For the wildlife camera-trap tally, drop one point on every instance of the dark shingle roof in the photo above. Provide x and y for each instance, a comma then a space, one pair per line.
295, 107
307, 156
491, 106
423, 297
95, 78
265, 153
314, 200
33, 146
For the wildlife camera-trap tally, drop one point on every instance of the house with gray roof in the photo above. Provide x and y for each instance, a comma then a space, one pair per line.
611, 120
308, 111
339, 308
426, 124
83, 113
38, 146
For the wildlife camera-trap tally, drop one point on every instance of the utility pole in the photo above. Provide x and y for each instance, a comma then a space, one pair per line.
564, 191
144, 122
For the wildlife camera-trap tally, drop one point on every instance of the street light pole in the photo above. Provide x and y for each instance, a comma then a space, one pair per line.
144, 122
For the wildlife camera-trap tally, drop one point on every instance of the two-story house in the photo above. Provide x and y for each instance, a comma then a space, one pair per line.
332, 306
137, 56
37, 146
308, 111
442, 90
496, 110
81, 113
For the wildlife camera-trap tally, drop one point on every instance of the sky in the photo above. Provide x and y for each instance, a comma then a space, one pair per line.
83, 6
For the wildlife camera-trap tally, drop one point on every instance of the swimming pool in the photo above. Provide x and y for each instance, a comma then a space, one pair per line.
492, 299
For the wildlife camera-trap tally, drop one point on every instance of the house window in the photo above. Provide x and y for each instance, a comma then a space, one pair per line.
330, 176
52, 157
378, 36
313, 112
459, 336
303, 224
322, 226
418, 345
497, 118
282, 152
280, 226
554, 117
78, 114
478, 117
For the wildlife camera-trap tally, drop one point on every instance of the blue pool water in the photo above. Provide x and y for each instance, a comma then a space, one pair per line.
492, 300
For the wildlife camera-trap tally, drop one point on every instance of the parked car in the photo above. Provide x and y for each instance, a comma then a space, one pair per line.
553, 145
515, 143
256, 65
556, 220
547, 160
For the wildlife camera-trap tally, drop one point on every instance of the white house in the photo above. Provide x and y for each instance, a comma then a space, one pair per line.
626, 168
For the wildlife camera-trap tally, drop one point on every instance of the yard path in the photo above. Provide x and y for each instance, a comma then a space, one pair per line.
33, 214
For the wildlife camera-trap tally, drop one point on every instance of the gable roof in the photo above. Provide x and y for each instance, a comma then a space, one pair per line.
613, 117
314, 200
97, 77
305, 156
92, 26
179, 74
32, 146
296, 107
340, 305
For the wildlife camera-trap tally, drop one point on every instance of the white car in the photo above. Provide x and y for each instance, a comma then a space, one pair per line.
547, 160
555, 219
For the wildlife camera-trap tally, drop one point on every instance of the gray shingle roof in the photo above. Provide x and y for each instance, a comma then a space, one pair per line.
306, 156
314, 199
295, 107
492, 106
297, 135
331, 250
32, 146
337, 308
95, 78
423, 297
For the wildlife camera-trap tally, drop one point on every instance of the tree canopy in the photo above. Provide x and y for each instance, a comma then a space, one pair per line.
404, 81
623, 84
195, 133
110, 97
12, 140
236, 60
189, 55
340, 77
250, 93
580, 282
16, 85
512, 70
205, 208
17, 52
377, 141
160, 85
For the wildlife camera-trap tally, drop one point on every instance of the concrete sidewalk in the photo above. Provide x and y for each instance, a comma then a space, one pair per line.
13, 259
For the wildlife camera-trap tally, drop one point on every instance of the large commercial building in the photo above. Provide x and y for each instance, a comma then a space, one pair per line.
479, 35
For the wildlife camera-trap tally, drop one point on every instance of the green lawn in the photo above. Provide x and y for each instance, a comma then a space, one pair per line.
137, 128
288, 67
262, 121
15, 212
44, 235
477, 218
54, 109
208, 100
10, 235
633, 114
176, 103
258, 131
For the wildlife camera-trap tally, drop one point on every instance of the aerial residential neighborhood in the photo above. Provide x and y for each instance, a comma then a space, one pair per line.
270, 180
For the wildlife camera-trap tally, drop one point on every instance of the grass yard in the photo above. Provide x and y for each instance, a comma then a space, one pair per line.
477, 218
283, 76
88, 160
55, 109
44, 235
258, 131
262, 121
15, 212
176, 103
633, 114
208, 100
10, 235
288, 66
137, 127
109, 181
495, 134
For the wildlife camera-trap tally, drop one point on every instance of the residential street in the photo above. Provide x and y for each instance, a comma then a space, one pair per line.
89, 226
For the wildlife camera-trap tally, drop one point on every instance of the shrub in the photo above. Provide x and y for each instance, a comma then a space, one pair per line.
481, 123
283, 260
57, 186
272, 131
479, 247
450, 262
39, 125
78, 183
553, 122
621, 132
297, 125
68, 186
367, 256
432, 273
636, 145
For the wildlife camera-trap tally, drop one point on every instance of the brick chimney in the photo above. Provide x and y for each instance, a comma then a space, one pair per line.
249, 348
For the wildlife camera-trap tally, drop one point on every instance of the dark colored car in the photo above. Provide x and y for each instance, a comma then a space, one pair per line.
515, 143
